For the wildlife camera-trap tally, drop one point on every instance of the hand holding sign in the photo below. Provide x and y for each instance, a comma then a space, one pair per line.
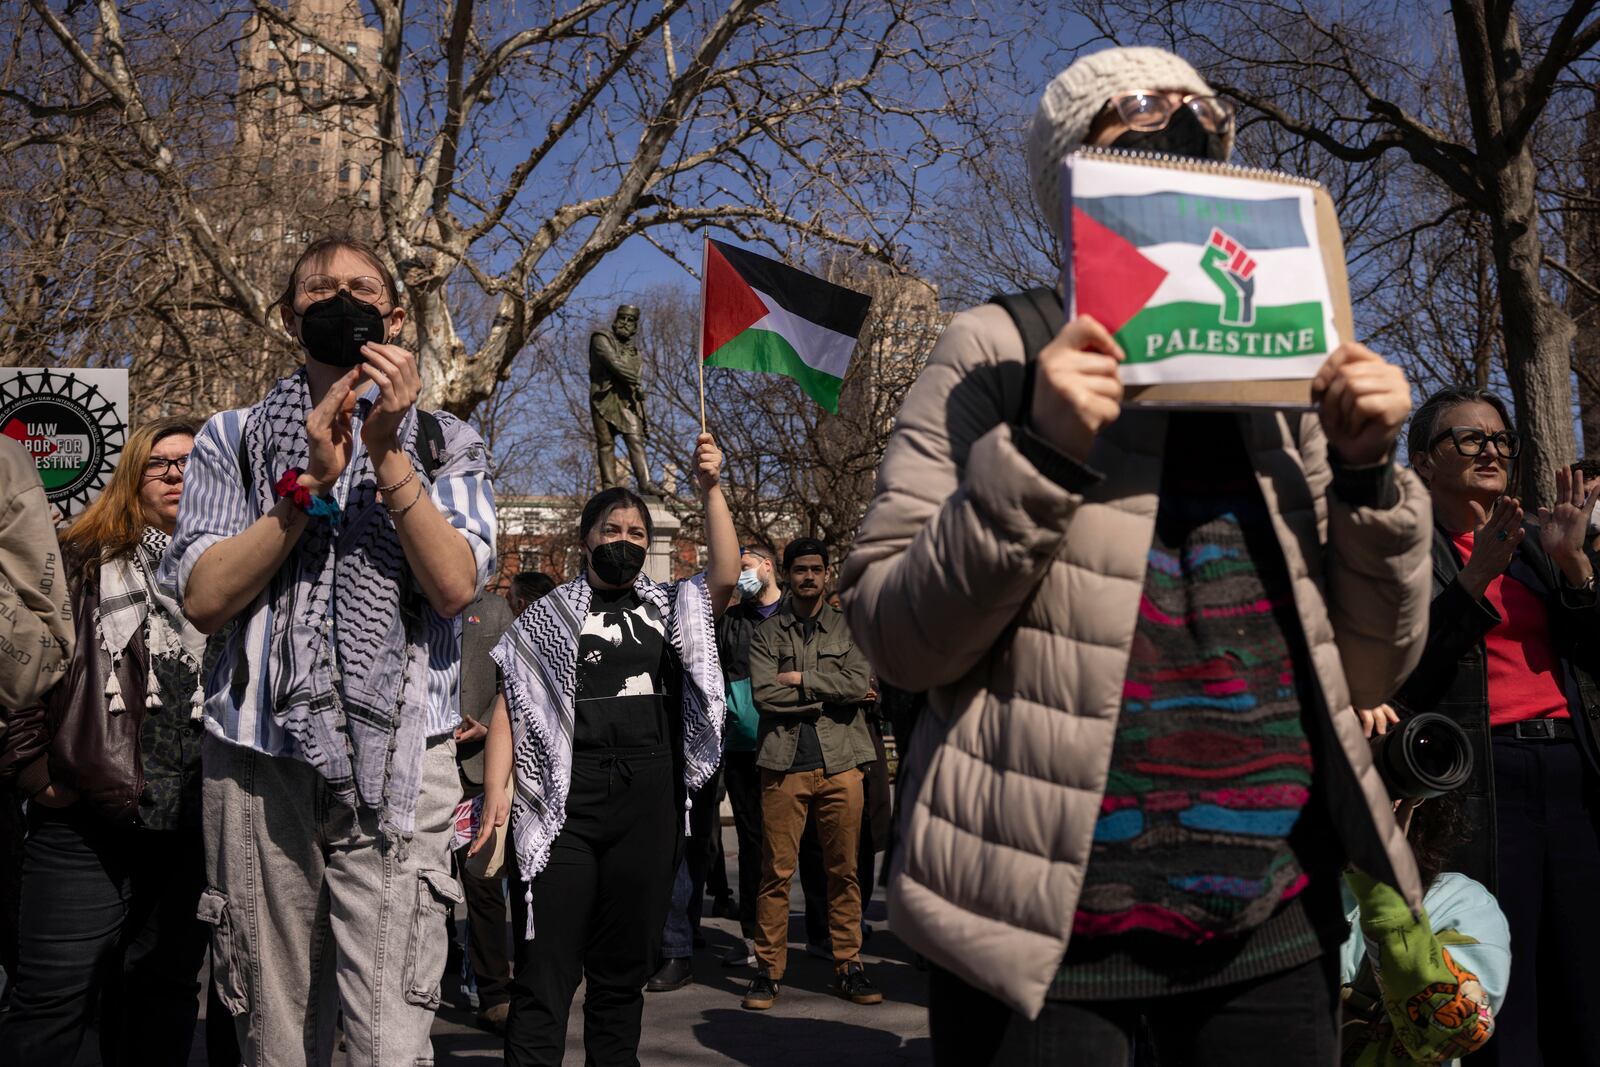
1223, 285
1364, 400
1077, 391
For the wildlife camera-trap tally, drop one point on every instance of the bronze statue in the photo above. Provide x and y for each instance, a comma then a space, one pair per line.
616, 400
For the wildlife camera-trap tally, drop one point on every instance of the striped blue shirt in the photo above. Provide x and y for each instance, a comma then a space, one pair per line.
217, 505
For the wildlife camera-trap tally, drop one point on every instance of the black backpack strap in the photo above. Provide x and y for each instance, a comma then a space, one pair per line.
1038, 316
244, 459
430, 442
1364, 1019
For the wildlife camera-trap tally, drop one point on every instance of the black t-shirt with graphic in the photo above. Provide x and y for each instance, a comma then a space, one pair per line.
621, 657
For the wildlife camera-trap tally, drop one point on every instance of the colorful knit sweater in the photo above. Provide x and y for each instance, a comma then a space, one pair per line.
1211, 768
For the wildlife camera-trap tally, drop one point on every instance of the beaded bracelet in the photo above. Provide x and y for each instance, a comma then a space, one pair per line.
389, 490
318, 507
397, 512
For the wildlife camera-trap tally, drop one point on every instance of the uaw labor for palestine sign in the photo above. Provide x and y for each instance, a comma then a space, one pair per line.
72, 422
1215, 280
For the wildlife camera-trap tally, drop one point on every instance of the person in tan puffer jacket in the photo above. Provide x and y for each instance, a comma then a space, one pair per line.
1139, 776
35, 616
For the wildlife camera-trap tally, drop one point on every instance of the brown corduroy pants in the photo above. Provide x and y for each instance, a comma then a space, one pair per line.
786, 798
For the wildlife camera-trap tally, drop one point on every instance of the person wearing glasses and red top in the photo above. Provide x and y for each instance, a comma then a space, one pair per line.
109, 759
1513, 637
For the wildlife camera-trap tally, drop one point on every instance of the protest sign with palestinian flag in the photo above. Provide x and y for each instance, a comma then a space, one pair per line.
761, 315
1203, 273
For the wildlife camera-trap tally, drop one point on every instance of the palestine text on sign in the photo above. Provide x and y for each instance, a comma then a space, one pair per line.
1200, 276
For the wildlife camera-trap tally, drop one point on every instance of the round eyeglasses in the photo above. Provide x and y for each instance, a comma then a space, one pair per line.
1148, 111
322, 286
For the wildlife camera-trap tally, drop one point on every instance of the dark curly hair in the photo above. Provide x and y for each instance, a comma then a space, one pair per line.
1438, 826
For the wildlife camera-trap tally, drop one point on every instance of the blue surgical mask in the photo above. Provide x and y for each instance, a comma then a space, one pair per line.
749, 583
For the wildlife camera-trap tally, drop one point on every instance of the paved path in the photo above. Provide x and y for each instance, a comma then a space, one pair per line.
703, 1024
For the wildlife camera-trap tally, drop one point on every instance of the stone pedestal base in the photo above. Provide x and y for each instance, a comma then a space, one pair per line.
658, 558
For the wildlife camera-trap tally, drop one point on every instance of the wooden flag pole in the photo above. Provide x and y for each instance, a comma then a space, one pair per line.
700, 341
702, 396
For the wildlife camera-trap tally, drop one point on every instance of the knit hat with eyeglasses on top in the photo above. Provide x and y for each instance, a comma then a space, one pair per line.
1072, 100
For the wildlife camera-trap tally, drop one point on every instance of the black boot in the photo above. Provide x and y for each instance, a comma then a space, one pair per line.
674, 974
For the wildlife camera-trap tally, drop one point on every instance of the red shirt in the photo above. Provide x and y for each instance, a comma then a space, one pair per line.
1524, 671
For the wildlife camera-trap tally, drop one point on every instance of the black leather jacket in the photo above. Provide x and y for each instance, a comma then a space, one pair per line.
70, 737
1452, 677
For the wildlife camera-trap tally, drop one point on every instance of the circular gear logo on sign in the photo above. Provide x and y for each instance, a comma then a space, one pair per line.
73, 431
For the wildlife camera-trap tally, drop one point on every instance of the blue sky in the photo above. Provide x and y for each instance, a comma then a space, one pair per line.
638, 266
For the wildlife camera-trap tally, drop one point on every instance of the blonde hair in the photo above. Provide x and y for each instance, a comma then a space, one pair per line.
114, 523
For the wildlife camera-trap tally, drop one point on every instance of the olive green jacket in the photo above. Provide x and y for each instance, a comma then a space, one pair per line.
834, 680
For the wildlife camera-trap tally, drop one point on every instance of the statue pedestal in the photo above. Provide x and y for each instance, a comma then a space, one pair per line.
658, 558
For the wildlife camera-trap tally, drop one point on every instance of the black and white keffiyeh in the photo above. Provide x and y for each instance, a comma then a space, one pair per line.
538, 658
131, 599
337, 686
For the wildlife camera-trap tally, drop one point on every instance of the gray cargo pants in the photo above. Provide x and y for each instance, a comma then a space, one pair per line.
312, 914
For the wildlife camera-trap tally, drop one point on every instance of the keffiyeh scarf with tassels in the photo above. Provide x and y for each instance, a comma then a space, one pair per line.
538, 658
131, 599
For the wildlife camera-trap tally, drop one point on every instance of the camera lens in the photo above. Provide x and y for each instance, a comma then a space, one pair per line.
1433, 755
1428, 755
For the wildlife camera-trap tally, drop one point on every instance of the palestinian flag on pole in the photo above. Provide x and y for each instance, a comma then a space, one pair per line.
1200, 276
758, 314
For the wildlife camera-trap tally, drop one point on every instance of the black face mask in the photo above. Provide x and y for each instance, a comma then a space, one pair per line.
617, 562
334, 329
1181, 136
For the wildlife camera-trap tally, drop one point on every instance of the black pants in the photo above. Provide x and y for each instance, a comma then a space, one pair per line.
110, 949
486, 934
1547, 819
1289, 1019
597, 910
11, 837
689, 880
717, 887
222, 1039
742, 778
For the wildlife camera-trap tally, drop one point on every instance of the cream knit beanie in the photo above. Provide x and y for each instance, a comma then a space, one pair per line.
1075, 96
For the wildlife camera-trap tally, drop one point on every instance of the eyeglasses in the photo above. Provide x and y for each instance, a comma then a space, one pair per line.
1472, 442
1149, 111
322, 286
160, 466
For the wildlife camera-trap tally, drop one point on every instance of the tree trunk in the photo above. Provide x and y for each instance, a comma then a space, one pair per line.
1538, 333
1581, 227
441, 354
